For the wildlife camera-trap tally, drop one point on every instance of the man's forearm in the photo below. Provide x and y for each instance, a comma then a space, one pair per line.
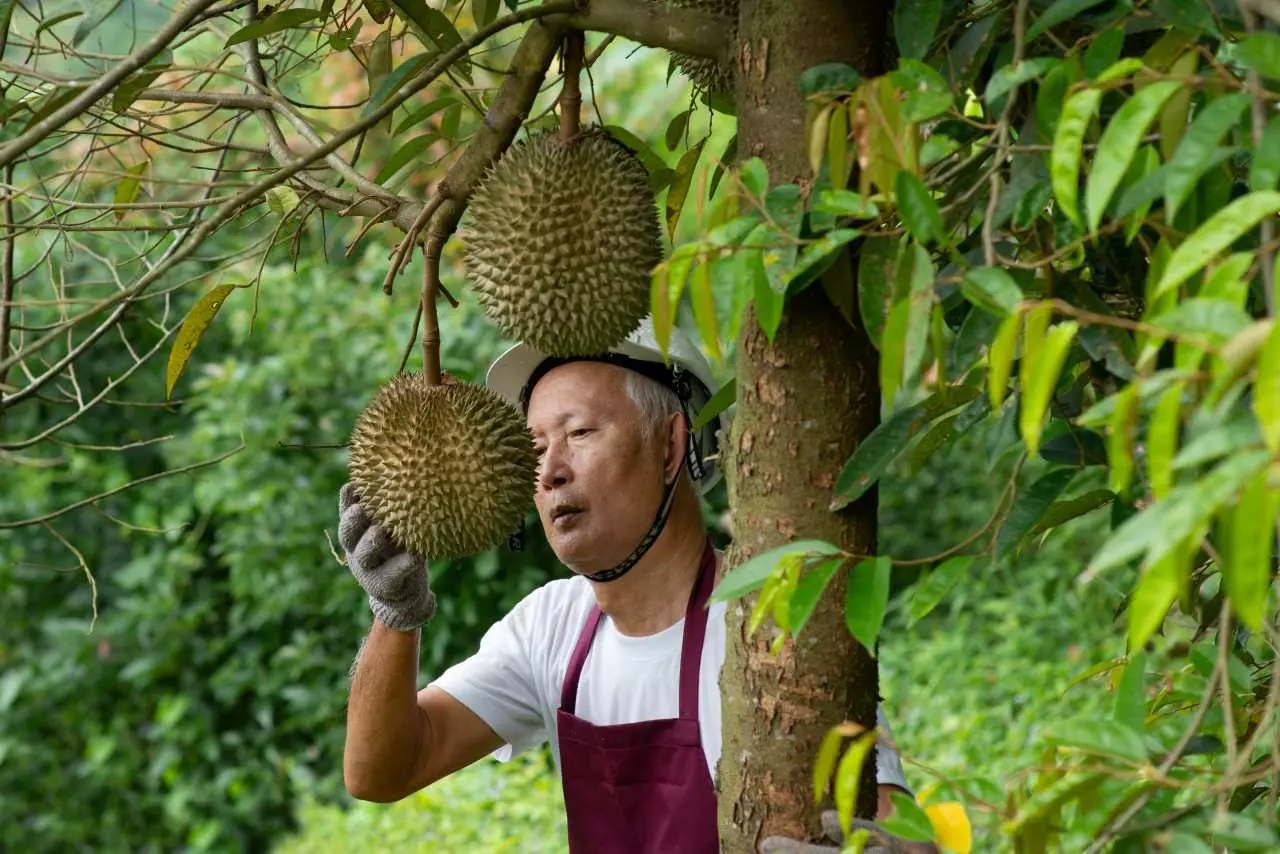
385, 727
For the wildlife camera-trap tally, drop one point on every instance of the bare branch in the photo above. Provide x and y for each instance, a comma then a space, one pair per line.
105, 84
690, 31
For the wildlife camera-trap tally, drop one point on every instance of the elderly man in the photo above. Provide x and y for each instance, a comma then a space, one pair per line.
617, 666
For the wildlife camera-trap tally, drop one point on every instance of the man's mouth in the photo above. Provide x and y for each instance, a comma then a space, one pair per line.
564, 512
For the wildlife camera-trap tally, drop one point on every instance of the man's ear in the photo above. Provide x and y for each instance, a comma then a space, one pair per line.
677, 443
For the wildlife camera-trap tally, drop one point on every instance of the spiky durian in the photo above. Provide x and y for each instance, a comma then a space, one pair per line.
562, 241
707, 74
448, 470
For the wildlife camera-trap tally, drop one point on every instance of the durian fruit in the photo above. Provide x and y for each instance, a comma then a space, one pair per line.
707, 74
562, 241
447, 470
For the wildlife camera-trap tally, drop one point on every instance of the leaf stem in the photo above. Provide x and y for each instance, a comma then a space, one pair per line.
570, 100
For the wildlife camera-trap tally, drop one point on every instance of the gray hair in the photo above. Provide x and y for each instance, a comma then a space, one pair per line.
655, 401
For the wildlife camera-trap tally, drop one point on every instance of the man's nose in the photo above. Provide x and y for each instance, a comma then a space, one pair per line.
553, 469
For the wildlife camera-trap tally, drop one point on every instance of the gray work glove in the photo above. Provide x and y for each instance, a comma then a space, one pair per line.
878, 842
396, 581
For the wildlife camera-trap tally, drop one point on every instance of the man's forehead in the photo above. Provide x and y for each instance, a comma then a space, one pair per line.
578, 386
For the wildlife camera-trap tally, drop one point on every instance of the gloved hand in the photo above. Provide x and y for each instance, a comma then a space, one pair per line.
395, 581
878, 842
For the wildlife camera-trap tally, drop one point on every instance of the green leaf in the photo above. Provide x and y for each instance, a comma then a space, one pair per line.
676, 128
991, 288
785, 207
420, 115
877, 266
193, 326
1192, 158
1119, 143
919, 211
820, 250
755, 177
1077, 447
925, 92
50, 103
652, 162
1131, 696
1260, 52
1162, 440
95, 14
1068, 143
393, 81
914, 24
1266, 390
1037, 392
1213, 320
704, 309
1103, 51
1218, 233
133, 86
893, 346
751, 575
667, 288
484, 12
1185, 843
1000, 358
831, 78
1010, 76
378, 10
275, 22
1058, 11
825, 762
434, 29
866, 598
845, 203
402, 156
680, 184
1071, 508
719, 402
1029, 507
1155, 530
810, 589
1246, 567
908, 820
127, 190
890, 438
1157, 590
1098, 735
928, 592
1264, 172
1241, 833
1217, 443
849, 776
767, 302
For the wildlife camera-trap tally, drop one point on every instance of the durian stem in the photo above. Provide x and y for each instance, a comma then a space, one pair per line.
430, 317
570, 101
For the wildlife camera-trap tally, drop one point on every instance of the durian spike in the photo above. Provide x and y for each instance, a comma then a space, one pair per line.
570, 100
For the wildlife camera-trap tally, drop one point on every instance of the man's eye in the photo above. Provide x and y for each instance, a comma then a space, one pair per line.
581, 431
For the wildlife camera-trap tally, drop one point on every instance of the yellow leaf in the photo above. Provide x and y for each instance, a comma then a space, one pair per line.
193, 326
127, 190
838, 148
951, 826
818, 136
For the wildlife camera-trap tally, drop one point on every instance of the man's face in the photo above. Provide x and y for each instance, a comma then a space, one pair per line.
599, 479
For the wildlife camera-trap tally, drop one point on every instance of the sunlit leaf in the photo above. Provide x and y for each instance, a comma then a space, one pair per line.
838, 161
817, 141
951, 826
1157, 590
849, 776
809, 591
1009, 76
1191, 159
129, 186
704, 308
866, 598
846, 203
1246, 567
193, 326
1162, 440
1038, 388
1266, 390
893, 346
1000, 358
824, 764
282, 200
1068, 143
667, 288
1119, 143
749, 576
1221, 230
1130, 708
1097, 735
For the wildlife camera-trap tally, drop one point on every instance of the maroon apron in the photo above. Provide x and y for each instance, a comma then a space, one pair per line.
644, 787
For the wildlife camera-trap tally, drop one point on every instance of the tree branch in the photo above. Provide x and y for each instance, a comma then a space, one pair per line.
7, 285
690, 31
105, 84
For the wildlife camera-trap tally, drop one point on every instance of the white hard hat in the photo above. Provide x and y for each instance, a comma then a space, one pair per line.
510, 373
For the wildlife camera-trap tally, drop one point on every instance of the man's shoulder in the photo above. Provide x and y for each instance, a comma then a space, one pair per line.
555, 601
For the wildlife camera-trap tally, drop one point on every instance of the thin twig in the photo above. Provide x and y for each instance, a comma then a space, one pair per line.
413, 338
405, 247
84, 565
7, 283
1002, 140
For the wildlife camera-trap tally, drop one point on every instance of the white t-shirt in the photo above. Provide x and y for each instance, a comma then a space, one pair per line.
513, 681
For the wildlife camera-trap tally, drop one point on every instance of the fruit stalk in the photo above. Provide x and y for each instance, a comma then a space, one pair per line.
570, 100
430, 317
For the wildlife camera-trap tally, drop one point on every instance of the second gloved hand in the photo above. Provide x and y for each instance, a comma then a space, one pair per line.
395, 581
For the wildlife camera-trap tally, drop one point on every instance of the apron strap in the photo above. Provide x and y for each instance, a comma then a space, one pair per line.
695, 630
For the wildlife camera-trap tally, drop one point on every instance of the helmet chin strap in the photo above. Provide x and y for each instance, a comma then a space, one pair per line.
659, 522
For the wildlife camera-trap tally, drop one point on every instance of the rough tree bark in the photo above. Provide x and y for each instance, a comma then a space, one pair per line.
804, 404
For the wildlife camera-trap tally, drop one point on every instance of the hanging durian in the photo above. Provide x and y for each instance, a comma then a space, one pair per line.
447, 470
707, 74
562, 241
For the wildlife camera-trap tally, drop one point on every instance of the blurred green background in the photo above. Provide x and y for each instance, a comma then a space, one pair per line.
203, 709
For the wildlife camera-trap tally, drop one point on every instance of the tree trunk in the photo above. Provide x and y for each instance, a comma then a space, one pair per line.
804, 404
